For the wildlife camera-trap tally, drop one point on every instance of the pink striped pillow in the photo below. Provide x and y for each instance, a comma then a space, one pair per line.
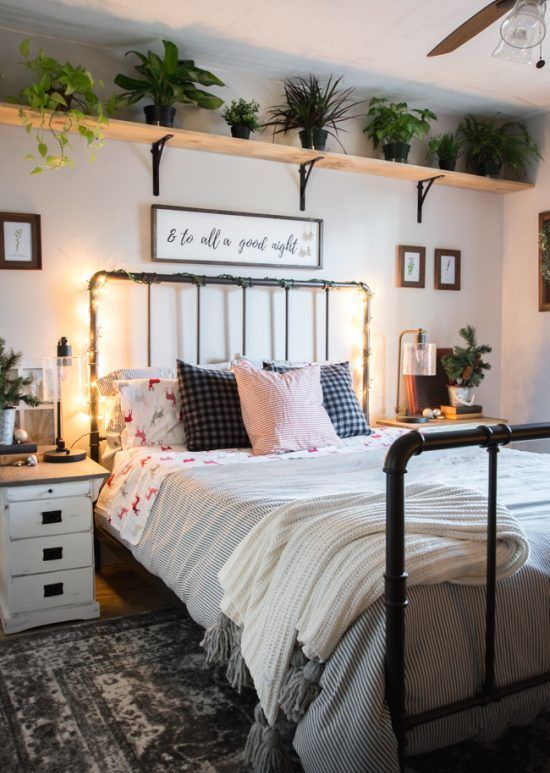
283, 411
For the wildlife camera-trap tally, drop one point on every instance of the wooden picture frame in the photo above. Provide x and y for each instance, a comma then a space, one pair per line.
411, 266
228, 238
544, 284
20, 241
447, 269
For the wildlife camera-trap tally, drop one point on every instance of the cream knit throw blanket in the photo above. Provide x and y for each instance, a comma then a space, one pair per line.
307, 570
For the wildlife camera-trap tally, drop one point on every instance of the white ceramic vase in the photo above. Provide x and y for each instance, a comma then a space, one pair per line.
461, 395
7, 425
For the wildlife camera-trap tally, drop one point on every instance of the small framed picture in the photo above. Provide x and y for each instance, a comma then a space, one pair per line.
411, 266
447, 270
20, 243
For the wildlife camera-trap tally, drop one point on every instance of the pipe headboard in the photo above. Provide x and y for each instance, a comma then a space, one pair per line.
148, 279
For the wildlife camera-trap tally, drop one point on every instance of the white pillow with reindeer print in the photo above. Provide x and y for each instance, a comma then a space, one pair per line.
152, 412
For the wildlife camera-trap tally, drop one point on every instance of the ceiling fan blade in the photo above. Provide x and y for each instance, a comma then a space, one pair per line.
475, 24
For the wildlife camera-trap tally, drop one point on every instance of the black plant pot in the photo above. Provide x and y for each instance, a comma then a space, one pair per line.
396, 151
160, 116
314, 139
487, 168
241, 131
448, 164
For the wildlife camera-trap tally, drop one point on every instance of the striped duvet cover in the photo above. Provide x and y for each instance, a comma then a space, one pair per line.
201, 514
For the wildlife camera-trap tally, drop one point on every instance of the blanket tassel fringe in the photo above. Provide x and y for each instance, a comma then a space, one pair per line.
218, 641
237, 673
300, 689
264, 751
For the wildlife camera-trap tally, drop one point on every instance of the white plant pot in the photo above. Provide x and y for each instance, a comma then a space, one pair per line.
7, 425
461, 395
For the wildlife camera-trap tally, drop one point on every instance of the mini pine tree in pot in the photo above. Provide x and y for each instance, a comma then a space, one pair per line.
12, 391
466, 367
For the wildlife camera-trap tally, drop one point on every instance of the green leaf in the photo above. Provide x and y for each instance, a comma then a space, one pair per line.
42, 149
170, 57
25, 48
37, 170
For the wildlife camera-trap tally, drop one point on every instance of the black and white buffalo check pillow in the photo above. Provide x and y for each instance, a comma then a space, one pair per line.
211, 409
339, 398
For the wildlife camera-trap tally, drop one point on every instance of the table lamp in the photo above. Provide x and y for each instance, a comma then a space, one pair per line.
414, 359
56, 373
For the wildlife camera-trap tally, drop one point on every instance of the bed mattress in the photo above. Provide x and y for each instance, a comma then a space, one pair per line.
202, 512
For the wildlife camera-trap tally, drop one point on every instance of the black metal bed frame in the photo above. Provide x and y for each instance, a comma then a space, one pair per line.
395, 467
148, 279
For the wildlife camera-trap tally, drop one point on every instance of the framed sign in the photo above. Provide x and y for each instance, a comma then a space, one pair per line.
447, 270
411, 266
189, 235
20, 245
544, 244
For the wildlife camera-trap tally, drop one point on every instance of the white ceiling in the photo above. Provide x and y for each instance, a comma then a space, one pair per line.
380, 45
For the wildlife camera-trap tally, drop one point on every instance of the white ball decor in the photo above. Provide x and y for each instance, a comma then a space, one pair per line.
428, 413
32, 461
20, 435
437, 413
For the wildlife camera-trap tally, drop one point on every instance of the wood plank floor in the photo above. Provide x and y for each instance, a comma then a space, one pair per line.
120, 591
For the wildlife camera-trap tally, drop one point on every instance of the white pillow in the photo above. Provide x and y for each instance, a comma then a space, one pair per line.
151, 408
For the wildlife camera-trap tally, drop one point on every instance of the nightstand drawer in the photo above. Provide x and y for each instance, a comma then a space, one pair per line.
55, 589
73, 488
39, 518
50, 554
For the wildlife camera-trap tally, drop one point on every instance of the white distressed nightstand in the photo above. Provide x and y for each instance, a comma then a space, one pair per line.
46, 543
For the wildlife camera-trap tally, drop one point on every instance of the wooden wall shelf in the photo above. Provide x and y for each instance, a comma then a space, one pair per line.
129, 131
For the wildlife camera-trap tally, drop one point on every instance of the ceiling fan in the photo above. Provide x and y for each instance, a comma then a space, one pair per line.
522, 30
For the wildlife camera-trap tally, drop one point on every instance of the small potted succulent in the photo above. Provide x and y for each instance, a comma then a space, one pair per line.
12, 392
167, 81
242, 117
64, 97
393, 125
316, 110
491, 143
465, 367
446, 148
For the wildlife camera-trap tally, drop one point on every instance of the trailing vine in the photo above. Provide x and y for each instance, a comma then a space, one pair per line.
544, 244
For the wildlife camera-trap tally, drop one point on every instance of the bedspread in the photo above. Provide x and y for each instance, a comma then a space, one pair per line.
200, 515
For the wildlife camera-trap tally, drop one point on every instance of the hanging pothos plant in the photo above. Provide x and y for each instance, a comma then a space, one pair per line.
544, 243
64, 98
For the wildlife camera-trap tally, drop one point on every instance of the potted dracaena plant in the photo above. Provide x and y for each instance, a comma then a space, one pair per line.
446, 148
316, 110
394, 126
12, 391
466, 367
64, 98
242, 117
492, 144
167, 81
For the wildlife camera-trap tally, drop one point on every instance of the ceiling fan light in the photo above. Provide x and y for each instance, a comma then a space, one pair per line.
524, 27
510, 54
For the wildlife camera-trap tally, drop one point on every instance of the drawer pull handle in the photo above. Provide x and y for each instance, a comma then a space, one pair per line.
52, 554
54, 589
51, 516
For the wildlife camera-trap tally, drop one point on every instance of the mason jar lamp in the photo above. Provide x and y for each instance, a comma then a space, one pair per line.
417, 358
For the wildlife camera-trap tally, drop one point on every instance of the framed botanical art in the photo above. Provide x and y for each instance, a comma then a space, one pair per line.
544, 261
20, 243
411, 266
447, 270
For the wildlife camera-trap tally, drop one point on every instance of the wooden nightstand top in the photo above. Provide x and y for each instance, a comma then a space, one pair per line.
432, 423
44, 472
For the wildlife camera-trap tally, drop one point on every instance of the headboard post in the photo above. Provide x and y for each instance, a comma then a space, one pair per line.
148, 278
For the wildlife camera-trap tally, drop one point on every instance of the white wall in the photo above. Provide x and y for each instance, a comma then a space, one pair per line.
97, 216
525, 329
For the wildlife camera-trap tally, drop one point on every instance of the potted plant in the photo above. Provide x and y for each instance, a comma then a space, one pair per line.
447, 148
465, 367
315, 110
393, 126
166, 82
242, 117
11, 392
65, 98
490, 144
544, 243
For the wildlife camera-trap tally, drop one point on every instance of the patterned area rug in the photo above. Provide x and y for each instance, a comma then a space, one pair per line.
131, 696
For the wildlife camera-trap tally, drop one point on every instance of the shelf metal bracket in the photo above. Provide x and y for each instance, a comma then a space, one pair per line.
156, 149
305, 172
421, 195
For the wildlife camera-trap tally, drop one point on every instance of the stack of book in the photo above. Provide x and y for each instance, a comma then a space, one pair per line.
16, 452
462, 411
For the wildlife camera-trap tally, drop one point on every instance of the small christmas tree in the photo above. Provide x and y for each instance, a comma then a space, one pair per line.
12, 390
465, 365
